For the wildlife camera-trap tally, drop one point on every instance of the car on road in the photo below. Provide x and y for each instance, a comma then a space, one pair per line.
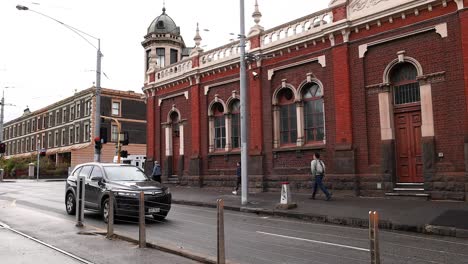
125, 182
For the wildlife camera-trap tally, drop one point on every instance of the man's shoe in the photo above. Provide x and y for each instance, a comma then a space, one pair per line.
312, 197
329, 197
234, 192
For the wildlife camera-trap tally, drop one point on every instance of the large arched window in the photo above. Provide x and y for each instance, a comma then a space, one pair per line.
314, 129
288, 117
404, 83
219, 126
235, 124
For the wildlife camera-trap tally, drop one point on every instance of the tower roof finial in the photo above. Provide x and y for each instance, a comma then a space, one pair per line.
164, 6
197, 37
256, 14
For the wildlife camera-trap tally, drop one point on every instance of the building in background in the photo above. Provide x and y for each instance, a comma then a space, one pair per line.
379, 88
65, 128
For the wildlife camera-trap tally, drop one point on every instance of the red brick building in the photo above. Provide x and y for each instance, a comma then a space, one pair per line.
378, 87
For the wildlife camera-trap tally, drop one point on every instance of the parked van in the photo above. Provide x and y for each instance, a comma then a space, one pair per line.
136, 160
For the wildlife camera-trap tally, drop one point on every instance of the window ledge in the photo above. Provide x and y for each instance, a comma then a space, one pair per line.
224, 153
302, 148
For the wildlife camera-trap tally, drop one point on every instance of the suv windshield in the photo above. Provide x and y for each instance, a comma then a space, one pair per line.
124, 173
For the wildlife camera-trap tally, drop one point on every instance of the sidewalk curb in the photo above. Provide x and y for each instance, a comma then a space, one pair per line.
344, 221
206, 259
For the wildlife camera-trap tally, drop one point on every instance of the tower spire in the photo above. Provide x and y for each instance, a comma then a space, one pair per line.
164, 6
256, 14
197, 38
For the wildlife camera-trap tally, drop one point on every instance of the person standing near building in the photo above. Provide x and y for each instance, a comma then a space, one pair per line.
238, 175
156, 171
317, 168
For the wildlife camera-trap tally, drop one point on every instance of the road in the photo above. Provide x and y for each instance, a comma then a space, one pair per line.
249, 238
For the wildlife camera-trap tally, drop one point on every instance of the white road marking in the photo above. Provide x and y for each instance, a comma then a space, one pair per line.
315, 241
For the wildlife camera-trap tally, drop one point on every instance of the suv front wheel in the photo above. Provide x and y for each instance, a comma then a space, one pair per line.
105, 210
70, 204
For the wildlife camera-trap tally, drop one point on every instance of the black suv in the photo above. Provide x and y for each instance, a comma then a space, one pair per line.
125, 181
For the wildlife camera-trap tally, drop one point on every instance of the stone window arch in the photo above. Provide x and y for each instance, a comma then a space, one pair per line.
404, 83
217, 125
234, 124
285, 116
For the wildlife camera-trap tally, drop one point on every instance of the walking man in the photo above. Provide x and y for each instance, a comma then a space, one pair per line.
156, 171
317, 167
238, 174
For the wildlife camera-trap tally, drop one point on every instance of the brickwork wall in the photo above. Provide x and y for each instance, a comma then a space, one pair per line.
351, 112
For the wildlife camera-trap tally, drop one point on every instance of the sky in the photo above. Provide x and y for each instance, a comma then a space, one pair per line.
42, 62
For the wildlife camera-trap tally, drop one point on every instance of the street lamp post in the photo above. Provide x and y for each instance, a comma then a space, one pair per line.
243, 111
2, 102
97, 117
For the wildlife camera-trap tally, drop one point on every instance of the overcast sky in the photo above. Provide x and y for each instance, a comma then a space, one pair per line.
46, 62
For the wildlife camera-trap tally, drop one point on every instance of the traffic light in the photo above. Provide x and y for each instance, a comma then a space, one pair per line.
125, 140
123, 153
2, 148
42, 153
97, 143
103, 135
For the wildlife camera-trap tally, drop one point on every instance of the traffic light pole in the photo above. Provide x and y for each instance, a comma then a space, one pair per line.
38, 157
119, 128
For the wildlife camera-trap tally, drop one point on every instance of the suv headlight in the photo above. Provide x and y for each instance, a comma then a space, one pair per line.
126, 194
168, 191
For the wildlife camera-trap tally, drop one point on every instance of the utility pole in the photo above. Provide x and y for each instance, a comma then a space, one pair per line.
38, 157
97, 117
2, 111
243, 111
1, 116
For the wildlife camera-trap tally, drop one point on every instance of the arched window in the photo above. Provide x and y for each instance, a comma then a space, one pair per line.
219, 126
288, 121
175, 123
312, 95
235, 123
404, 83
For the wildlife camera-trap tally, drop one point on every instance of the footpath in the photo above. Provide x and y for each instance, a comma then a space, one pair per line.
447, 218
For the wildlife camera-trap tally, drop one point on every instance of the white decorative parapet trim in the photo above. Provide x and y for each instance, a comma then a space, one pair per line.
321, 60
173, 70
310, 24
223, 53
185, 94
440, 29
207, 87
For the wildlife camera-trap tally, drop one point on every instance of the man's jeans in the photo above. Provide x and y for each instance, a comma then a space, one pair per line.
318, 183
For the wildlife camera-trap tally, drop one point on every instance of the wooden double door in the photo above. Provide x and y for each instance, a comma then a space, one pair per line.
408, 146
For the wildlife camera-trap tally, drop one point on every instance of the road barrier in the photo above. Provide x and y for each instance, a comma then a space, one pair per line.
221, 248
286, 198
80, 196
374, 237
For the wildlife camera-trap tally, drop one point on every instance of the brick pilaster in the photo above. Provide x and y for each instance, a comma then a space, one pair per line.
342, 87
255, 103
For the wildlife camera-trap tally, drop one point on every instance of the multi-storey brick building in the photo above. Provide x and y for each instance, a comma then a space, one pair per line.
65, 128
380, 88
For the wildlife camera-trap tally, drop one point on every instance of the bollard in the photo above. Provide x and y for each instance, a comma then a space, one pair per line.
376, 238
110, 219
286, 198
142, 221
221, 248
79, 200
373, 237
1, 174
